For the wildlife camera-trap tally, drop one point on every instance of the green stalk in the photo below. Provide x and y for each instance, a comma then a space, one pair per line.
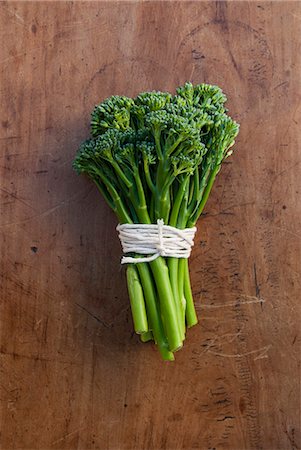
191, 316
190, 313
183, 303
178, 202
169, 149
148, 177
157, 136
136, 300
192, 186
198, 212
135, 292
173, 262
151, 209
103, 190
155, 321
194, 192
140, 190
120, 174
162, 196
161, 277
119, 206
167, 304
181, 223
146, 337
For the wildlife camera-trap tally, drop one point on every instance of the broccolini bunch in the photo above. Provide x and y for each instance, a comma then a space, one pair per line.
156, 157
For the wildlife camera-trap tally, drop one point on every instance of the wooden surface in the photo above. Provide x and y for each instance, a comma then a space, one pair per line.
72, 374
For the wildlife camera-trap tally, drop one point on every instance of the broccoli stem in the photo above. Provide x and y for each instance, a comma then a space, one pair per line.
181, 280
135, 292
148, 177
146, 337
167, 304
140, 190
162, 281
173, 262
162, 193
181, 223
103, 190
192, 221
155, 321
157, 136
191, 316
190, 313
119, 207
201, 199
122, 177
170, 148
136, 300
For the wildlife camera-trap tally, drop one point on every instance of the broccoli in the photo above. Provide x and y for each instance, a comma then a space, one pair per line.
156, 157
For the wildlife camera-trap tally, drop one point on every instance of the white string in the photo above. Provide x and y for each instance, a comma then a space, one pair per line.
154, 240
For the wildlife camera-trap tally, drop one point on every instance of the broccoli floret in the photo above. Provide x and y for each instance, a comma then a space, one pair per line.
113, 112
153, 101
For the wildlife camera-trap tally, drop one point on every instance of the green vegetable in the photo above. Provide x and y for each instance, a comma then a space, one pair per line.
156, 157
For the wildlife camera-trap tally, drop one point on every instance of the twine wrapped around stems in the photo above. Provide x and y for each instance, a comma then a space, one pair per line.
154, 240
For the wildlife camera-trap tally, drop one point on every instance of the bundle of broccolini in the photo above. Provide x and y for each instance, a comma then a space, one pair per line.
156, 157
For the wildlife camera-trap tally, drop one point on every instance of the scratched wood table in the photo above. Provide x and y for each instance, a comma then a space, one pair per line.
73, 376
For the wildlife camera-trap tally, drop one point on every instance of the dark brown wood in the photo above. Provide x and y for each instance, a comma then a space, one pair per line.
72, 373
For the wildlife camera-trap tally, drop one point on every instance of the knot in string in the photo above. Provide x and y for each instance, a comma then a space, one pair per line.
154, 240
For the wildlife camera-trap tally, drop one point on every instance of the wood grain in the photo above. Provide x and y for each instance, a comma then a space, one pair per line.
72, 374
